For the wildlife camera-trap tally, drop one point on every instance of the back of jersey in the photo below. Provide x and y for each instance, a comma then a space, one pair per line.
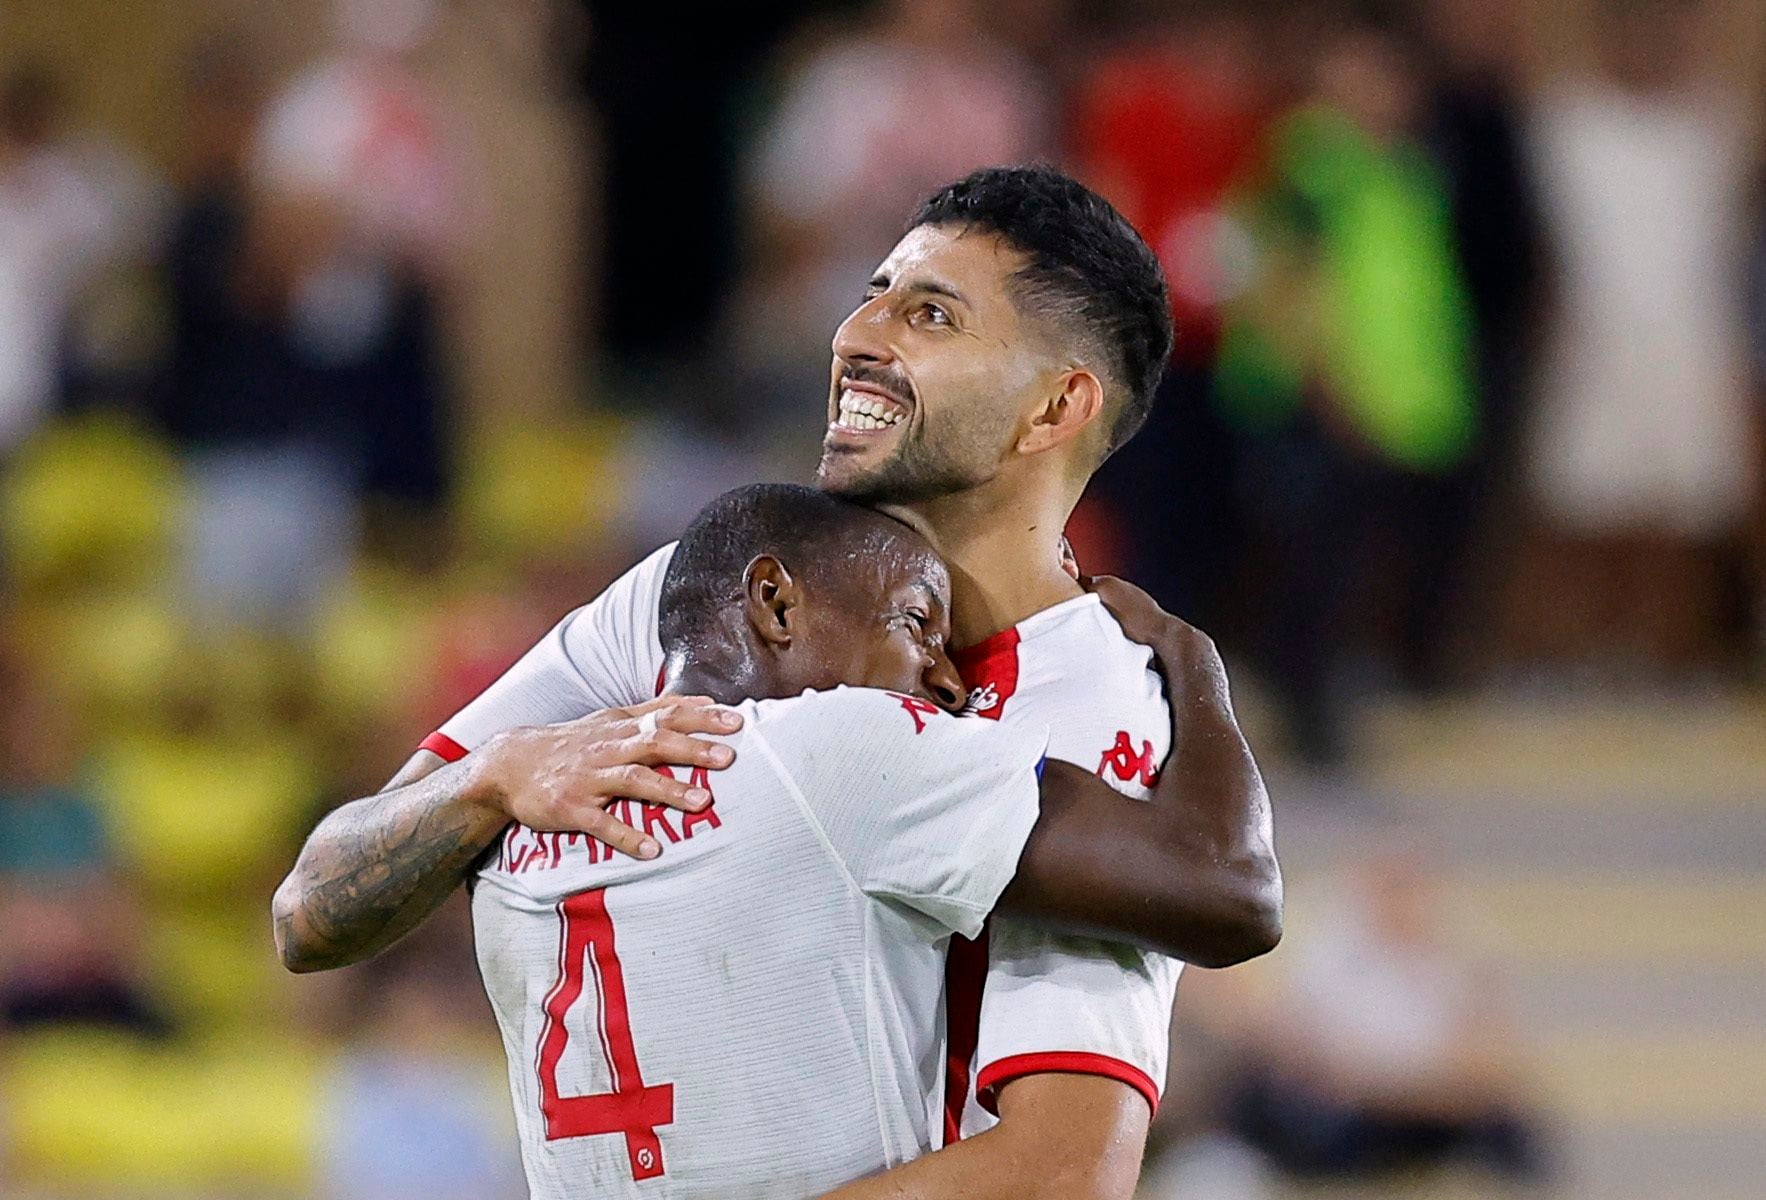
755, 1012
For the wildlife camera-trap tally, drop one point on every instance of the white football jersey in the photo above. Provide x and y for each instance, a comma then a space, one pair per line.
1020, 1001
756, 1012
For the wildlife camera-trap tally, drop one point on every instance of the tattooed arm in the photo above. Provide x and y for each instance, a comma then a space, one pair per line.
376, 867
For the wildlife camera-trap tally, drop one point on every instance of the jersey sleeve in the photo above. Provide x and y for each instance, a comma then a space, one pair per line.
605, 654
920, 808
1049, 1002
1073, 1004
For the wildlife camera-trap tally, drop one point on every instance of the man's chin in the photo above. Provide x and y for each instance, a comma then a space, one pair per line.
841, 472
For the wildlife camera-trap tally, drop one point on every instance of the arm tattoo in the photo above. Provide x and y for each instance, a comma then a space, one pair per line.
375, 868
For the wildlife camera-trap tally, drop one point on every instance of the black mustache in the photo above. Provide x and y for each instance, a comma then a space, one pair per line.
897, 388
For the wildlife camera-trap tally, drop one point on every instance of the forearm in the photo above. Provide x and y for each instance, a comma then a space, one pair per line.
1060, 1137
983, 1167
1218, 830
376, 867
1191, 872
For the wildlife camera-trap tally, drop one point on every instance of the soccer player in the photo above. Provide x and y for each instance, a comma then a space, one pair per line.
755, 1012
1010, 341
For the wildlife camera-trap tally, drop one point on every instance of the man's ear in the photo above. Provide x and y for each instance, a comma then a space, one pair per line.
770, 597
1066, 414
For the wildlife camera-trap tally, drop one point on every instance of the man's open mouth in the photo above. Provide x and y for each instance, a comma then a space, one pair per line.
864, 409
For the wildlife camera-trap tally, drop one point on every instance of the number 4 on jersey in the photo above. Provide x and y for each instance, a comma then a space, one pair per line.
632, 1107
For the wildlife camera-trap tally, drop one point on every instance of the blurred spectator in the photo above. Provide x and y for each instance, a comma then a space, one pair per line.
1476, 133
67, 933
67, 209
303, 374
869, 123
1164, 124
1385, 1049
1641, 459
1757, 332
360, 192
1347, 369
415, 1108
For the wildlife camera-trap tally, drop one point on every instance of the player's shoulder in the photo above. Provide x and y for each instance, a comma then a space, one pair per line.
865, 710
861, 728
1076, 649
635, 594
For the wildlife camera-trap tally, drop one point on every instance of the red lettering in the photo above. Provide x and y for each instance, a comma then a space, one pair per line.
1122, 761
656, 816
706, 816
918, 709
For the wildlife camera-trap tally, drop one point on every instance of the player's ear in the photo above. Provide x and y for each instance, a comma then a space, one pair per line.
770, 599
1078, 402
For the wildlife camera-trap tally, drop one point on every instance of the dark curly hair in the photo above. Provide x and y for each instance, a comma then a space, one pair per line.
1089, 272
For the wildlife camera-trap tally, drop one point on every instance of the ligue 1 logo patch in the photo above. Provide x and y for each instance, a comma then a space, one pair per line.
982, 699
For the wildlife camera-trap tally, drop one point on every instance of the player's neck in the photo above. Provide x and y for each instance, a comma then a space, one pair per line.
1003, 547
685, 675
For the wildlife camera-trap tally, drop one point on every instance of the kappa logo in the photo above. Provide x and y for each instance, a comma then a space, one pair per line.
983, 699
1124, 762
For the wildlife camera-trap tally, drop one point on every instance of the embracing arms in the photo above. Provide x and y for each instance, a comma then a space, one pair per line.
1192, 872
376, 867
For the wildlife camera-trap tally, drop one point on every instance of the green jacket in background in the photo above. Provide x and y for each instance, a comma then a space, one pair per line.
1391, 339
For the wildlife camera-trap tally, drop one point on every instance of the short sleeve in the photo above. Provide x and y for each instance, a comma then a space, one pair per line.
920, 808
1074, 1005
606, 654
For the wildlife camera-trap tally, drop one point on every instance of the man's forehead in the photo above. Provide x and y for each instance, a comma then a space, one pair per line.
916, 566
952, 254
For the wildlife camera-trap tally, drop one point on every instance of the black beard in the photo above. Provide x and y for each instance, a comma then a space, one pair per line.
910, 476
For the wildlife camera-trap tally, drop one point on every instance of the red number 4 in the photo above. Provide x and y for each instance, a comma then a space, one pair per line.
632, 1107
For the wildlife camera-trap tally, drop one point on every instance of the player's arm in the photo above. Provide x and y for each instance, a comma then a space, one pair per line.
1191, 873
376, 867
1059, 1137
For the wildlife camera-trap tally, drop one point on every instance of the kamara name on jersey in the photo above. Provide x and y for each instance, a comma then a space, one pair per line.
523, 849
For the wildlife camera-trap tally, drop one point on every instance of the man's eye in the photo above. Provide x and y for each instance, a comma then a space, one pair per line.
934, 314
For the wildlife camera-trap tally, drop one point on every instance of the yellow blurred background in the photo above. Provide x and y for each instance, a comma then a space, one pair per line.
346, 345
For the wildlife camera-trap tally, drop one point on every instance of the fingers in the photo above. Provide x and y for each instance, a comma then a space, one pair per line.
698, 718
666, 748
660, 703
1139, 614
604, 827
651, 787
684, 714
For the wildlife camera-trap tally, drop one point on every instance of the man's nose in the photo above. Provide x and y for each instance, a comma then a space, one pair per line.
944, 683
860, 338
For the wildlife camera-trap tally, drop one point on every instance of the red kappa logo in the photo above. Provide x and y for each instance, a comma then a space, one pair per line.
1122, 761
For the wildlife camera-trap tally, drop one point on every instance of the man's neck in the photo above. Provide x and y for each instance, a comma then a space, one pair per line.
684, 674
1004, 555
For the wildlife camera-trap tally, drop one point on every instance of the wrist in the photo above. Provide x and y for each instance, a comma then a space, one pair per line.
482, 786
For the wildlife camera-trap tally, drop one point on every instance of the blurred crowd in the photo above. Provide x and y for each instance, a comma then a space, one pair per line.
317, 407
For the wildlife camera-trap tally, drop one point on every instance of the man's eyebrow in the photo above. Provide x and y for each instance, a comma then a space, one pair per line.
936, 287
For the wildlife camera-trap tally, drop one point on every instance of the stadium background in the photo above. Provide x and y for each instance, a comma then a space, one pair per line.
344, 347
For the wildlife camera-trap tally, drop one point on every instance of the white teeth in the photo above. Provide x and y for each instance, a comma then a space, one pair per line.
863, 412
